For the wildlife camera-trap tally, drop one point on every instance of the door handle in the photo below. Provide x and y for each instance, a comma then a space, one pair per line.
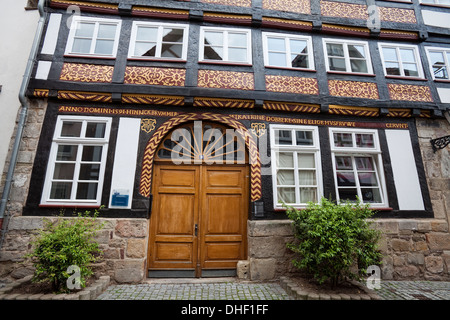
196, 230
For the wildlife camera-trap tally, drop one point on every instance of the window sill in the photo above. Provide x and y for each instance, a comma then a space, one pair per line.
226, 63
406, 78
442, 80
439, 5
292, 68
83, 206
282, 210
351, 73
156, 59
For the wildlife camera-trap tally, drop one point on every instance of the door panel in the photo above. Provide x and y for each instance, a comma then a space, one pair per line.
199, 217
224, 213
173, 243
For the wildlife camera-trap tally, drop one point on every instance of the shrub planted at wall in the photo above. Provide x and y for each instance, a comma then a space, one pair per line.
333, 238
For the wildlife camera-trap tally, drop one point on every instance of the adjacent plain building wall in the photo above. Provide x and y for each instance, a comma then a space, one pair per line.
17, 30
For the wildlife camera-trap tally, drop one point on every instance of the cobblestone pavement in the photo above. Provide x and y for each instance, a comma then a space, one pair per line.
196, 290
414, 290
231, 289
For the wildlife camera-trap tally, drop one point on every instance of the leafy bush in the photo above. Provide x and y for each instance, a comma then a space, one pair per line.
333, 238
62, 244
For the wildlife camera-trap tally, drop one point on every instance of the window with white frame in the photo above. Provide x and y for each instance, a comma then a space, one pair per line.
439, 59
347, 56
94, 37
287, 51
77, 161
296, 169
357, 166
401, 60
436, 2
225, 45
158, 41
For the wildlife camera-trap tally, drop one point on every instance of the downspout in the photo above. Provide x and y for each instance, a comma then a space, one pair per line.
23, 114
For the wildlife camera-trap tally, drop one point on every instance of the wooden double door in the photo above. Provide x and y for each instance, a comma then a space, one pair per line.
198, 224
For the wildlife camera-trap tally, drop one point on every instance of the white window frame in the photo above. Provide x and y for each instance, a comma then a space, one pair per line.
445, 51
355, 151
160, 27
97, 21
80, 142
286, 37
397, 47
225, 46
345, 44
313, 149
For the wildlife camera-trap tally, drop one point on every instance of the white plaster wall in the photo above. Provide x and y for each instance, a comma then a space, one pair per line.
17, 29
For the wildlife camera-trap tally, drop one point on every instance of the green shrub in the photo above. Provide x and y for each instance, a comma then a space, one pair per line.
333, 238
64, 243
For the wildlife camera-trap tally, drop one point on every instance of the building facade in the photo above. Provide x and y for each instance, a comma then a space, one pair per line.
192, 122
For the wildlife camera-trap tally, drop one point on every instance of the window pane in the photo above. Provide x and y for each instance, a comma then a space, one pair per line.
298, 46
335, 49
85, 29
346, 179
337, 64
407, 55
213, 38
71, 129
277, 59
364, 140
367, 179
308, 195
285, 177
344, 163
306, 160
283, 137
285, 160
89, 171
81, 45
173, 35
286, 195
390, 54
437, 57
66, 153
95, 130
348, 194
147, 34
359, 66
213, 53
145, 49
92, 153
104, 46
64, 171
371, 195
171, 50
307, 177
61, 190
87, 191
343, 139
107, 31
356, 51
392, 68
410, 69
237, 39
276, 44
237, 54
304, 138
364, 163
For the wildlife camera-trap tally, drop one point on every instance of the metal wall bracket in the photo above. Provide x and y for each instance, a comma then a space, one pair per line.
440, 143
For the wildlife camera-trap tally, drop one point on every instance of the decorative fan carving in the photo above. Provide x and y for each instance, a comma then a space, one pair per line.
203, 142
